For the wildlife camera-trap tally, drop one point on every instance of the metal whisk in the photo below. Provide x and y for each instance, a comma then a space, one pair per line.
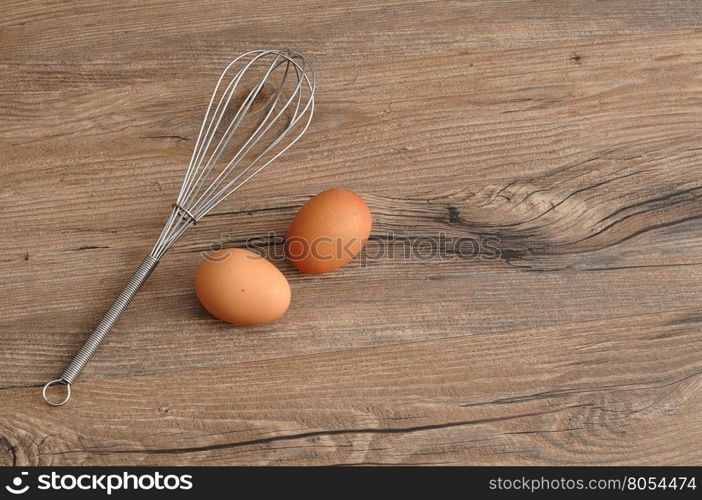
241, 134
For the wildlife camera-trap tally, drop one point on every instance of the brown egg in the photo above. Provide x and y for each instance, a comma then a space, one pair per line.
328, 231
241, 287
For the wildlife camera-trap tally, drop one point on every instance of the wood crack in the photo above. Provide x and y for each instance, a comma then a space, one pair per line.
584, 390
333, 432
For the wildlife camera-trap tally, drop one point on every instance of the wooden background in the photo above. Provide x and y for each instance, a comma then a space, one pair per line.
568, 131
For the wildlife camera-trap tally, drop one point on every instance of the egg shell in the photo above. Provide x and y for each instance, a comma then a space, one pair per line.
328, 231
241, 287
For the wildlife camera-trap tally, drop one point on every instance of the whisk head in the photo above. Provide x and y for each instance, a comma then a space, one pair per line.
262, 104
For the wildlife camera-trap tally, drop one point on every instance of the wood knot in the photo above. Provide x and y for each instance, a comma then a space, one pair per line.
453, 215
262, 98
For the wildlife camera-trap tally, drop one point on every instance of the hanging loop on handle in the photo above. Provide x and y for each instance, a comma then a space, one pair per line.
103, 327
65, 398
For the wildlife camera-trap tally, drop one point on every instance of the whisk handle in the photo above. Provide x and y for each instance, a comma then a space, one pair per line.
103, 327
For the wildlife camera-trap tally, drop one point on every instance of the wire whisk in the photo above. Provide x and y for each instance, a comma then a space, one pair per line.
261, 105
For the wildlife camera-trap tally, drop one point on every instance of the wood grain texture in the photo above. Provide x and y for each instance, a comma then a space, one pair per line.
569, 139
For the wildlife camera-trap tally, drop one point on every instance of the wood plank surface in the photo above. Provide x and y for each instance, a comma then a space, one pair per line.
564, 138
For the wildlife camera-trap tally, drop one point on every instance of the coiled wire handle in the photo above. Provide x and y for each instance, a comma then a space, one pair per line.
102, 329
